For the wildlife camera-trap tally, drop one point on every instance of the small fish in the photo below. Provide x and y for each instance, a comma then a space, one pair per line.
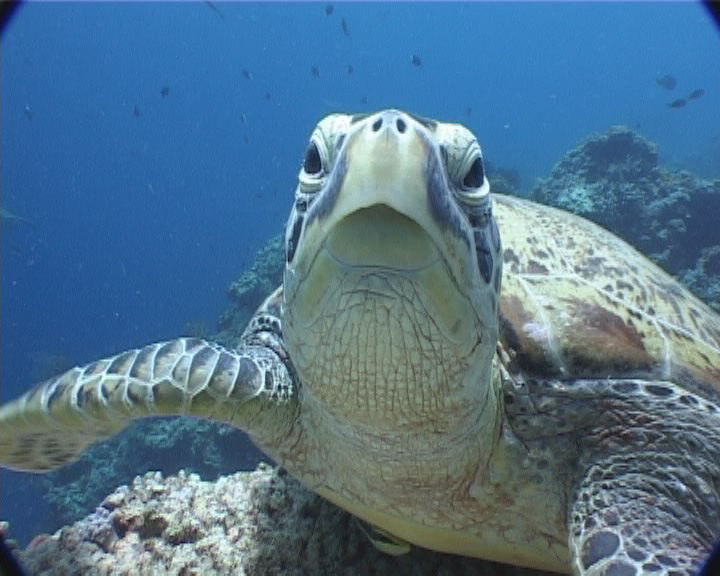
214, 7
247, 74
345, 28
267, 96
165, 91
363, 100
679, 103
415, 60
28, 112
695, 94
350, 69
468, 111
329, 9
666, 81
315, 72
136, 111
7, 216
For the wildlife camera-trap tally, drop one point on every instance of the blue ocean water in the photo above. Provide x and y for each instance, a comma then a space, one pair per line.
155, 147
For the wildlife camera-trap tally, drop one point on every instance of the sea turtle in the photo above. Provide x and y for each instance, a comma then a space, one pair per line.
569, 421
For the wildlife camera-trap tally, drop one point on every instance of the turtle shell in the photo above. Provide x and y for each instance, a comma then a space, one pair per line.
577, 303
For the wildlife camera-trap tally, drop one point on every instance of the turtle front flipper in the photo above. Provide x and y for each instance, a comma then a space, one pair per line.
637, 522
52, 424
649, 500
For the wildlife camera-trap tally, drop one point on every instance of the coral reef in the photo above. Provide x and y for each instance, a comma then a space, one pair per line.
604, 179
261, 522
614, 180
704, 278
168, 445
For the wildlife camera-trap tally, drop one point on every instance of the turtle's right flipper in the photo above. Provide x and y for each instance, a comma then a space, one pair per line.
52, 424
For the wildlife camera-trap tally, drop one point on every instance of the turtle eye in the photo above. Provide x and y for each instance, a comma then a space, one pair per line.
475, 176
313, 162
473, 187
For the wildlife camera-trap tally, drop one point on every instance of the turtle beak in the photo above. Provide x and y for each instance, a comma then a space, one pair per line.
387, 204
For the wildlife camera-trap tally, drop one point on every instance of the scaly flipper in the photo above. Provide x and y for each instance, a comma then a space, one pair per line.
52, 424
641, 516
643, 506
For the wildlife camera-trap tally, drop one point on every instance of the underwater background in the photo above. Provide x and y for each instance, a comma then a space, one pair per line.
149, 150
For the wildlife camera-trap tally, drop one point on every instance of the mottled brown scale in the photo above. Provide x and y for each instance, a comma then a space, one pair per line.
166, 357
122, 363
95, 368
580, 303
606, 342
143, 363
535, 267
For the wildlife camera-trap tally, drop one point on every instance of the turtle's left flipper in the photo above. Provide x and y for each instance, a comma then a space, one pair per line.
645, 507
623, 525
52, 424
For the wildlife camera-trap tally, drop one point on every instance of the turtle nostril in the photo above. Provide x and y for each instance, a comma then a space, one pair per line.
400, 123
377, 125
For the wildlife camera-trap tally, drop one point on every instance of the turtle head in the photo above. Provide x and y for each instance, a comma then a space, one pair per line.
392, 273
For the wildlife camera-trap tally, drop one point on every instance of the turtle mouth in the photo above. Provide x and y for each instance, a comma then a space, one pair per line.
376, 257
379, 237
